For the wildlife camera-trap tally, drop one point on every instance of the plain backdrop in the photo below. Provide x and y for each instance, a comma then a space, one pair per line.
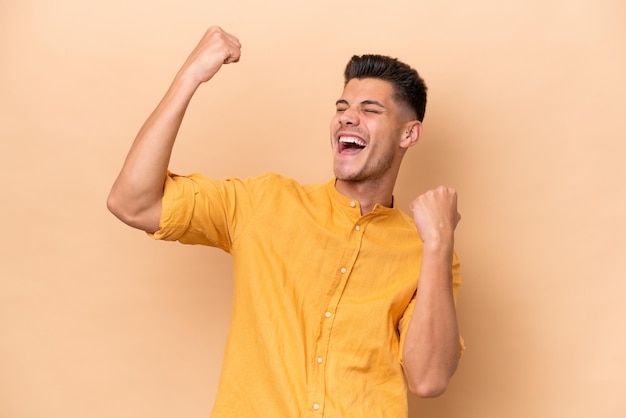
525, 119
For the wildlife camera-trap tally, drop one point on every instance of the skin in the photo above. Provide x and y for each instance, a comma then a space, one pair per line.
367, 112
431, 349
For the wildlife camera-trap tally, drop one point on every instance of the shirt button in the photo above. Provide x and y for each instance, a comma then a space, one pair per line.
319, 360
316, 406
343, 270
352, 204
358, 228
327, 314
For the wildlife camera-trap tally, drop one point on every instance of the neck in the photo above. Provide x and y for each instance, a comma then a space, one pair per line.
367, 193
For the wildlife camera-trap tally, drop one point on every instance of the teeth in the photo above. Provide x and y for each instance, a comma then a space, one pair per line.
352, 140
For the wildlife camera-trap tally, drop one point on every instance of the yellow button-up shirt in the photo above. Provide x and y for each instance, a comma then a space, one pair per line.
322, 294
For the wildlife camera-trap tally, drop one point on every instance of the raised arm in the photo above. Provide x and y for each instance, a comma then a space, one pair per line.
135, 197
431, 348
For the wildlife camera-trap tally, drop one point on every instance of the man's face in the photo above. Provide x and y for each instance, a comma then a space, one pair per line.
366, 131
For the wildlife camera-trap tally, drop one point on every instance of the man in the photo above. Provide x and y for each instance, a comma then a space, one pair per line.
328, 318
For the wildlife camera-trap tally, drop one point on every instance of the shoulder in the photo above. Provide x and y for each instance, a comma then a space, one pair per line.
405, 221
269, 183
274, 183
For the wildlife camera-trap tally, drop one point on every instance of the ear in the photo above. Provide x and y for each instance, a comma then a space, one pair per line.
411, 134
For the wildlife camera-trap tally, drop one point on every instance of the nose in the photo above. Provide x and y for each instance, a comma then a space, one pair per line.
349, 117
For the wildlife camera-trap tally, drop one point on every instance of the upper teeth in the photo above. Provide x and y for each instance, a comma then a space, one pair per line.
352, 140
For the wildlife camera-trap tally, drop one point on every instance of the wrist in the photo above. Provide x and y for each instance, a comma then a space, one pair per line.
438, 246
187, 79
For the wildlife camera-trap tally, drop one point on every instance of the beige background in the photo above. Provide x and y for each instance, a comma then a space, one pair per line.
525, 119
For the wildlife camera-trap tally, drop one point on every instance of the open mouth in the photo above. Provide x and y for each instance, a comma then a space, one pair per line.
350, 144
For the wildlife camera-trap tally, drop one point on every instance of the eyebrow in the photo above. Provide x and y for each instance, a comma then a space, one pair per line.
363, 103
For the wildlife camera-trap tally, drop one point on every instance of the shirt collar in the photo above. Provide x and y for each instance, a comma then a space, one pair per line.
353, 205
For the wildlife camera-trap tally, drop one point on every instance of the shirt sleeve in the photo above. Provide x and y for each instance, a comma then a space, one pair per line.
197, 210
403, 325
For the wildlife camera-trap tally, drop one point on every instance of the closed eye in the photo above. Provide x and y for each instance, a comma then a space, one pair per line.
341, 105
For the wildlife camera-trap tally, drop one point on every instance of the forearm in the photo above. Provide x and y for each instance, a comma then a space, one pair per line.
136, 194
431, 347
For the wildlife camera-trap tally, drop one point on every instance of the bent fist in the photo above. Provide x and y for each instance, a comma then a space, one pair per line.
435, 215
216, 48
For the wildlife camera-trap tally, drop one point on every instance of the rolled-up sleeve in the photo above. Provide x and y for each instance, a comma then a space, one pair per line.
198, 210
177, 207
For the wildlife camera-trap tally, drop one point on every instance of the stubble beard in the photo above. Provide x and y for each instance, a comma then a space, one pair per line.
369, 173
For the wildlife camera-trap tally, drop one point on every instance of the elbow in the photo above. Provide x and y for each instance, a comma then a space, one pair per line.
428, 389
144, 218
430, 377
431, 383
116, 207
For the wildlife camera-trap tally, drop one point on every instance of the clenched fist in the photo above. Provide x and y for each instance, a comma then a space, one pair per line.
216, 48
436, 216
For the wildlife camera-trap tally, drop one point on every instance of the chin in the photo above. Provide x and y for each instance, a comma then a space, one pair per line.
342, 175
346, 174
355, 177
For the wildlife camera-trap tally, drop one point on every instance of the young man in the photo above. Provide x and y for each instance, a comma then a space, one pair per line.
328, 319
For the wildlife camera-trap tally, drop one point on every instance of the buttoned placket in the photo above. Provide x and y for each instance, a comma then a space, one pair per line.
346, 264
